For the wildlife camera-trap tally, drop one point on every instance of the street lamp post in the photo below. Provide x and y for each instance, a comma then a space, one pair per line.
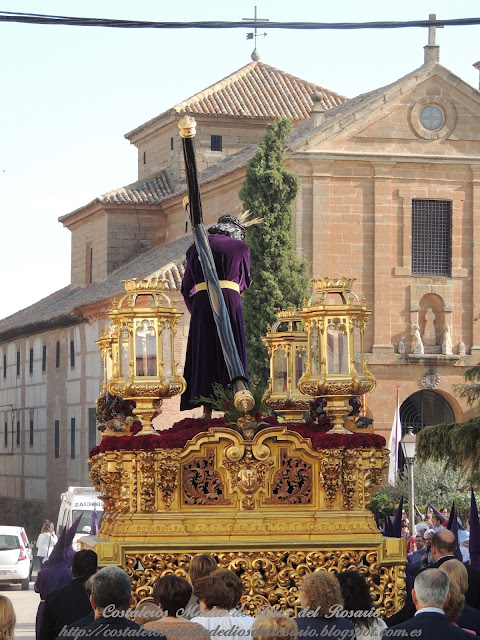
409, 444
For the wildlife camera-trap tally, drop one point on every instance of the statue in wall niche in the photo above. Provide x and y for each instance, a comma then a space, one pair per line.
401, 347
447, 342
417, 344
462, 350
429, 335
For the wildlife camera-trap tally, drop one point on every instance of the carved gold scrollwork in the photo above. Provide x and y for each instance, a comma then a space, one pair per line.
273, 577
292, 483
146, 480
202, 482
167, 476
247, 475
349, 478
330, 473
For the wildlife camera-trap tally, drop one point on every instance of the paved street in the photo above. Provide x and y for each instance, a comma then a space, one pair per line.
25, 604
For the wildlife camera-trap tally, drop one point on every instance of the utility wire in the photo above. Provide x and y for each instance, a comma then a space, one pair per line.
34, 18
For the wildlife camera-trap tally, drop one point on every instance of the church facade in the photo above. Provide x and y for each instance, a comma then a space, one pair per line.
389, 194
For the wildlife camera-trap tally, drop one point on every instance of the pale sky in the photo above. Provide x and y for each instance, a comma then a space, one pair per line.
69, 94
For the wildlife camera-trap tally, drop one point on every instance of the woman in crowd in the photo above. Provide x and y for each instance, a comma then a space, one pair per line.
274, 626
320, 597
455, 604
357, 597
7, 619
201, 565
216, 602
46, 541
469, 616
172, 593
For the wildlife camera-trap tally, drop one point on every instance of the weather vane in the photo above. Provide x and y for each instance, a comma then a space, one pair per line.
253, 35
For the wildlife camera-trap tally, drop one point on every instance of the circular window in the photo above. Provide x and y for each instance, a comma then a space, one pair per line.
431, 118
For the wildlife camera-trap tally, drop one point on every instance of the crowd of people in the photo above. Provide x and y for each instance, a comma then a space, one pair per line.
76, 600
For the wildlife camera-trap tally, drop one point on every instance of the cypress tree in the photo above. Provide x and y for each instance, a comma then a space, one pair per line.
280, 279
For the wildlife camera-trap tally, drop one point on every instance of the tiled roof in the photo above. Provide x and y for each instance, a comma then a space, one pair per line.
151, 191
63, 308
259, 91
255, 91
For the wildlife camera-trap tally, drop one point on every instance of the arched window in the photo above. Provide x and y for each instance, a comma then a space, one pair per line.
422, 409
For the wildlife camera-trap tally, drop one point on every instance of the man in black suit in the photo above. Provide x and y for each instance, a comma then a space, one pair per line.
70, 603
444, 544
430, 595
111, 601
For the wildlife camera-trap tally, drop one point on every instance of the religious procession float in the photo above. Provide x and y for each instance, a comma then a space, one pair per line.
272, 500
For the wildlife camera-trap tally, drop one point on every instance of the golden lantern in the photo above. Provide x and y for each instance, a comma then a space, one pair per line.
138, 348
286, 342
336, 369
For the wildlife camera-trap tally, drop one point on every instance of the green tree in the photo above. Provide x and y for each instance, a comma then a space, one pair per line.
457, 444
432, 483
280, 279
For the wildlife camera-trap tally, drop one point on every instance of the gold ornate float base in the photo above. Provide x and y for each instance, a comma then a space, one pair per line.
272, 509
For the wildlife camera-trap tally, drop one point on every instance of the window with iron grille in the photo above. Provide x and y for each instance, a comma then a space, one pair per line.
431, 237
18, 433
18, 363
44, 358
57, 438
72, 354
216, 143
31, 432
30, 364
4, 366
72, 438
57, 355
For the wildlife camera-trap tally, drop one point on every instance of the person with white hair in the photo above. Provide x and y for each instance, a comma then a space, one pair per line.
430, 595
111, 597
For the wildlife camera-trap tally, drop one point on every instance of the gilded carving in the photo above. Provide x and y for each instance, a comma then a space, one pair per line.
349, 478
330, 473
292, 483
146, 474
273, 577
247, 475
202, 482
167, 476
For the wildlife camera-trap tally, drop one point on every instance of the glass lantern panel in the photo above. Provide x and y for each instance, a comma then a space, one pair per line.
167, 356
314, 350
124, 353
145, 350
300, 364
298, 325
357, 349
280, 371
144, 300
337, 349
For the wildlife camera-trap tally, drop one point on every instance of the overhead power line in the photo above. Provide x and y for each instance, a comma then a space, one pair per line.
34, 18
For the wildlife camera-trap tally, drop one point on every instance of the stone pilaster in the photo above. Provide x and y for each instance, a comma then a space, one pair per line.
475, 349
321, 249
382, 259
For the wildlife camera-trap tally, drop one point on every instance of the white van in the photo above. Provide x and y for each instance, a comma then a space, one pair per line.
73, 503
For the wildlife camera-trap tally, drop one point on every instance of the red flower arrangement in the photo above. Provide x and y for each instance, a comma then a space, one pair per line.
111, 407
181, 432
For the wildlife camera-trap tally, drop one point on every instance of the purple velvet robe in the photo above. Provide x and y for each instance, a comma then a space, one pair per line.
52, 577
204, 363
